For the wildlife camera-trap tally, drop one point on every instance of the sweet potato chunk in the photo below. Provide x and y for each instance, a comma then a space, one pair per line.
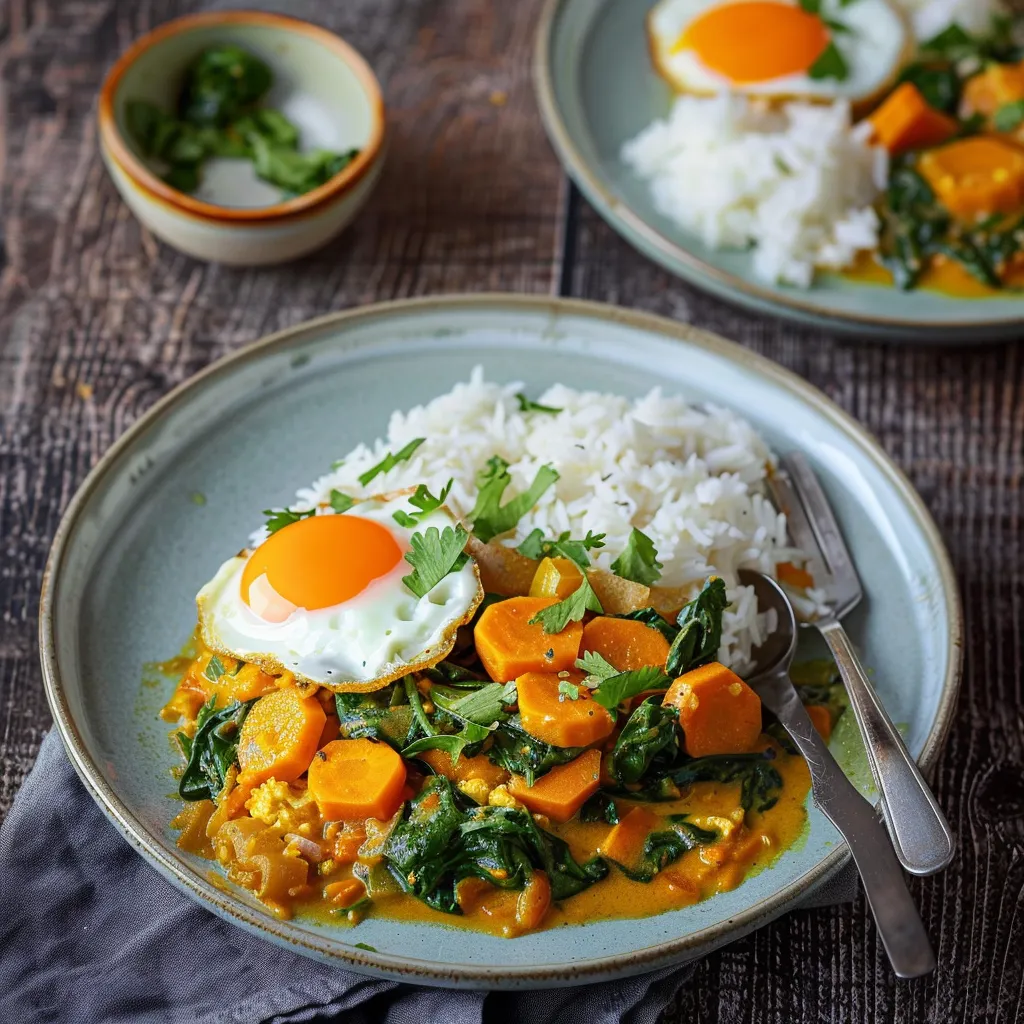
624, 643
556, 718
718, 712
562, 791
510, 645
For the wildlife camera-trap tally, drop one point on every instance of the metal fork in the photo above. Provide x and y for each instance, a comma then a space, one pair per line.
922, 838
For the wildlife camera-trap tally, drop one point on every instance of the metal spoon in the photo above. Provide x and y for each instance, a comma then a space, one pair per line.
899, 923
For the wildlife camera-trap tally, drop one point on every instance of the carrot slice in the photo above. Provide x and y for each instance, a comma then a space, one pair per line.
509, 645
562, 791
821, 719
624, 643
625, 843
279, 736
357, 779
555, 717
906, 121
718, 712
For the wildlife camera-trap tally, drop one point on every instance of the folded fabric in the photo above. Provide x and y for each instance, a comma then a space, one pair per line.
90, 933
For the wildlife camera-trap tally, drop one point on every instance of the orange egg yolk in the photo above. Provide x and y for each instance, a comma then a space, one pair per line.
755, 40
317, 563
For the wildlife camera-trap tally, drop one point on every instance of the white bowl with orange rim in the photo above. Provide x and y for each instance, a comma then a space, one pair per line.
320, 83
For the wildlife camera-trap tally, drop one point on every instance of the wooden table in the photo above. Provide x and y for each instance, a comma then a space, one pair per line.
98, 320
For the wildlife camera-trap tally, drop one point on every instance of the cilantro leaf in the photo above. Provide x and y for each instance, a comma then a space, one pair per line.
830, 64
433, 556
811, 6
611, 692
279, 518
366, 946
596, 667
340, 501
1008, 116
568, 690
489, 517
639, 560
425, 502
536, 547
390, 461
555, 618
526, 405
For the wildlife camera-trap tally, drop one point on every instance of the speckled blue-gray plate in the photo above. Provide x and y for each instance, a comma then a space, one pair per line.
597, 88
136, 544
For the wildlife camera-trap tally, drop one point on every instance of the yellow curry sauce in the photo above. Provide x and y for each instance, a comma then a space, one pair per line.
272, 839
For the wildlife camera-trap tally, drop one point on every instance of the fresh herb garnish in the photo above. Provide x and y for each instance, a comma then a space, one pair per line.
639, 560
556, 617
279, 518
613, 690
830, 64
567, 690
390, 461
425, 503
212, 750
489, 517
485, 706
453, 744
434, 554
536, 547
340, 501
366, 946
526, 405
700, 629
219, 115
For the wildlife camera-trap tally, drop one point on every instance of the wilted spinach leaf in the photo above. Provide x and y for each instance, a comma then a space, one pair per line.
380, 715
649, 738
212, 750
666, 846
700, 629
522, 754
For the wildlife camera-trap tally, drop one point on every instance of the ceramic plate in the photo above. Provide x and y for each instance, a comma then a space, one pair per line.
186, 483
597, 88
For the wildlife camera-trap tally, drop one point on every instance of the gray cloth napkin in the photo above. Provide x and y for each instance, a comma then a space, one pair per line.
90, 933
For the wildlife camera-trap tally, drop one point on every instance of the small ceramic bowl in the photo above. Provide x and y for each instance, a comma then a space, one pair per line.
320, 83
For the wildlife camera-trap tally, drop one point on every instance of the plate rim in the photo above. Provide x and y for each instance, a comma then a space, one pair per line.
684, 264
233, 909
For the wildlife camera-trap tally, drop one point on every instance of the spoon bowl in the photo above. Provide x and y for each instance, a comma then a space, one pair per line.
776, 654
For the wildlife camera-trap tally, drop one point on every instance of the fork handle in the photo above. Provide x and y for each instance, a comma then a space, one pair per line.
899, 923
922, 838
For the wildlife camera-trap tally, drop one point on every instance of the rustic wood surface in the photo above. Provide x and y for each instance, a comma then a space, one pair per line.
97, 320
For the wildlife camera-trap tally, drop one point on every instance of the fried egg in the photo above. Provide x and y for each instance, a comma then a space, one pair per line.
768, 47
323, 598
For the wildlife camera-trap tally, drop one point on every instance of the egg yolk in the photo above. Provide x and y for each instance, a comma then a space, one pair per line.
317, 563
755, 40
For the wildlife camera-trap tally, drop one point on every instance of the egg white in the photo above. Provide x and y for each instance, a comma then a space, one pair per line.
874, 49
362, 644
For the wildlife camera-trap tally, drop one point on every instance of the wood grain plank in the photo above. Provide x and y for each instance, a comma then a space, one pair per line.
953, 418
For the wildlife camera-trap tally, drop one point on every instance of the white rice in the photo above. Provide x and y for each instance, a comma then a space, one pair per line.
930, 17
796, 182
691, 478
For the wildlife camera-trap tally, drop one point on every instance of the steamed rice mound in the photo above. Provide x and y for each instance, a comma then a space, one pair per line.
691, 478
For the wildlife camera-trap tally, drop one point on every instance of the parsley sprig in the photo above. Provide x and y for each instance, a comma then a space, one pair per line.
535, 546
340, 501
279, 518
610, 687
583, 599
639, 560
434, 554
489, 517
424, 502
391, 460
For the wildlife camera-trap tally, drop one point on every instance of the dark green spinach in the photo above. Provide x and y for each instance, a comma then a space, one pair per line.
700, 629
649, 739
522, 754
212, 750
381, 715
438, 843
667, 846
